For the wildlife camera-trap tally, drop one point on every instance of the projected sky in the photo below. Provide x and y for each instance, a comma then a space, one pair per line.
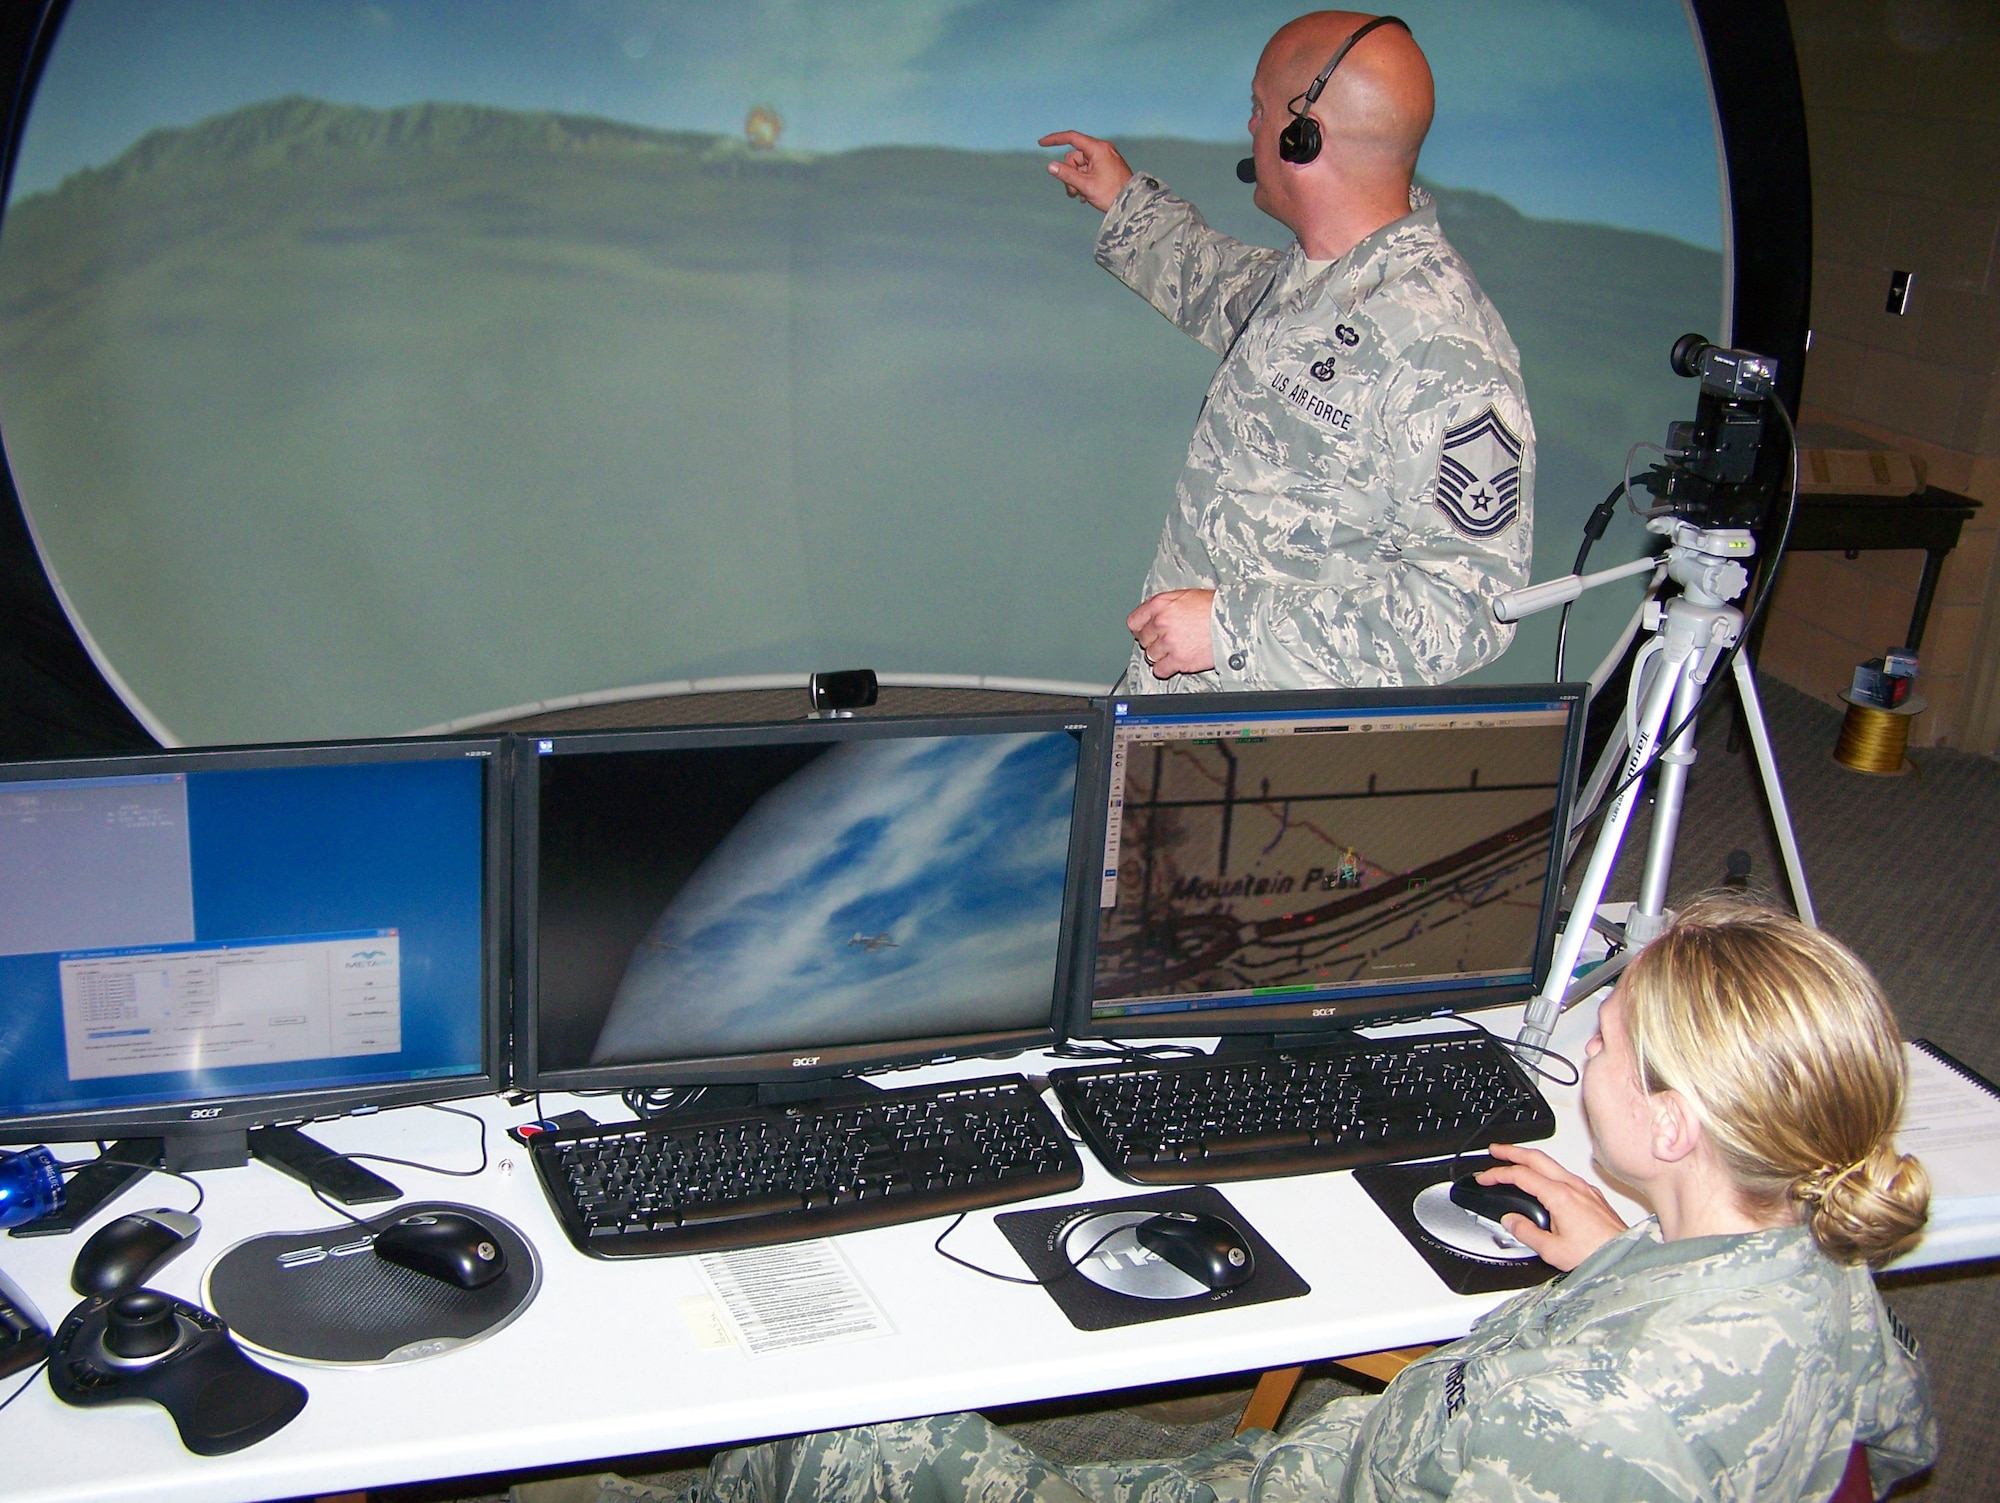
1610, 90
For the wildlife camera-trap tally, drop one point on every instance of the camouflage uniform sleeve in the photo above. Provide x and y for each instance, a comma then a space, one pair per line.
1436, 517
1203, 281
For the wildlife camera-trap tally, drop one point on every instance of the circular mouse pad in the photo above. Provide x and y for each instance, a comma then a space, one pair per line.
1106, 1252
323, 1297
1457, 1228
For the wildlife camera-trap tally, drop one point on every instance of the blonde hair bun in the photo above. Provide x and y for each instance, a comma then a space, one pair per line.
1869, 1211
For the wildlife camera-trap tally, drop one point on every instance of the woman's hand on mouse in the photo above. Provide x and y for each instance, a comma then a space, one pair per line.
1580, 1218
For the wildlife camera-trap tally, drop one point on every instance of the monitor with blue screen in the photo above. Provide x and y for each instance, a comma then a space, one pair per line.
1285, 863
195, 945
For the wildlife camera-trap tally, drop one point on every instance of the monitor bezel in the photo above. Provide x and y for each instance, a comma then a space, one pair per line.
216, 1117
784, 1065
1316, 1016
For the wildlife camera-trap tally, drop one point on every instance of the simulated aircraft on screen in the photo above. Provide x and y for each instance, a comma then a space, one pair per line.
872, 942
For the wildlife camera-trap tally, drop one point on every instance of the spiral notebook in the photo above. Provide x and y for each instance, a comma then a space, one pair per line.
1951, 1121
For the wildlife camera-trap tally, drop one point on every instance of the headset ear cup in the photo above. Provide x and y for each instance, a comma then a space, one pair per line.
1299, 142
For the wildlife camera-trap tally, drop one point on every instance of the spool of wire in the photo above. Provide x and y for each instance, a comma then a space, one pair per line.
1874, 740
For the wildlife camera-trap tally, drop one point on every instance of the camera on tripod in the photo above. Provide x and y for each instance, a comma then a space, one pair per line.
1712, 476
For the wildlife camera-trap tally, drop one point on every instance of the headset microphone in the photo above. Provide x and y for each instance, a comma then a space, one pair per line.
1300, 141
1246, 170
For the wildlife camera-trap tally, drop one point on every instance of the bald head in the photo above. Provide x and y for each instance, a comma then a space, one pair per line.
1372, 116
1377, 106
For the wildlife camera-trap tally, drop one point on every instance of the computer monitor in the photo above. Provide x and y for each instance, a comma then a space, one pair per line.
1286, 863
776, 903
198, 944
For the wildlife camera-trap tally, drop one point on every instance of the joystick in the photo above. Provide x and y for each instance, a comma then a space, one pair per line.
143, 1344
141, 1325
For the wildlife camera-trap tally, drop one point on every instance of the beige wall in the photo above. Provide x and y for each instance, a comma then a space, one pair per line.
1903, 118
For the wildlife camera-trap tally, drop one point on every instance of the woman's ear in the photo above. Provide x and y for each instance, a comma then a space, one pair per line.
1677, 1131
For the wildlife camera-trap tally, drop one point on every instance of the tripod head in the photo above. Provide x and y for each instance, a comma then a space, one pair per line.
1706, 562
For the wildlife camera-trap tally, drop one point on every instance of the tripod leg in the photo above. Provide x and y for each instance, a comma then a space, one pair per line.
1649, 914
1608, 762
1767, 767
1546, 1007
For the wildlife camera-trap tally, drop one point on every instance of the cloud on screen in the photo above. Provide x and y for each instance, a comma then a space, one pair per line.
892, 889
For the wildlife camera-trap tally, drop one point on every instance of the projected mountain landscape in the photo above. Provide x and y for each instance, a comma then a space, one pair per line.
334, 420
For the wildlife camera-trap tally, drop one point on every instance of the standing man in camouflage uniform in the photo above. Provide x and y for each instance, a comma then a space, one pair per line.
1360, 484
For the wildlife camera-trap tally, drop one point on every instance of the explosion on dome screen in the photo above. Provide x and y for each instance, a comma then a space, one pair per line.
762, 127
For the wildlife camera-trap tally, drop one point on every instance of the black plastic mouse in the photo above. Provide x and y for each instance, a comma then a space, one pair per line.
452, 1248
1205, 1248
1495, 1201
125, 1253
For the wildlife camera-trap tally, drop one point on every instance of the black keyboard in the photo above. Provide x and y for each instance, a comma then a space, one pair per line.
748, 1176
1340, 1105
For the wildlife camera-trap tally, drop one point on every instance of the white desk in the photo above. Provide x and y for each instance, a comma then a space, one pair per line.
603, 1363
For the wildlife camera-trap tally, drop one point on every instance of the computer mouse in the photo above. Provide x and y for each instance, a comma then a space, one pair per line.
1495, 1201
1205, 1248
451, 1248
125, 1253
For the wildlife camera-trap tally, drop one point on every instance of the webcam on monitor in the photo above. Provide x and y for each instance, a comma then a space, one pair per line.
837, 695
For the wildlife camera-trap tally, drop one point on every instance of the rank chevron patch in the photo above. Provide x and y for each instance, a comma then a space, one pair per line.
1479, 476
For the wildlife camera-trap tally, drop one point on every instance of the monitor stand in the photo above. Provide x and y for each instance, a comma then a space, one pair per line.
284, 1148
1237, 1045
290, 1151
771, 1093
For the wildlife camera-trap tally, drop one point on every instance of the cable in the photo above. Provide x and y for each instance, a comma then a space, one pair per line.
1515, 1048
648, 1102
1648, 513
383, 1158
1593, 529
33, 1373
1011, 1278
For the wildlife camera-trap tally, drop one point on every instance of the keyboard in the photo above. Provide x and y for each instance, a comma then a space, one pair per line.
1339, 1105
750, 1176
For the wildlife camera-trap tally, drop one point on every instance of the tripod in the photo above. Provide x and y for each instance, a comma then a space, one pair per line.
1689, 632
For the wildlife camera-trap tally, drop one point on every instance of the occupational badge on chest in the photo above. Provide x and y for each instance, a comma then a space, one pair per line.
1479, 476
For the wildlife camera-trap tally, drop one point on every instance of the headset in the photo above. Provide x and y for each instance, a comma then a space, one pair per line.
1300, 142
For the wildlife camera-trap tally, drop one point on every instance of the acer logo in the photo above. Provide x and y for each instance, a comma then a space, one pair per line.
805, 1059
204, 1111
1325, 1012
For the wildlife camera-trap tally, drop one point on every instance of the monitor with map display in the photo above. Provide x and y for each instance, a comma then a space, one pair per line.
1290, 861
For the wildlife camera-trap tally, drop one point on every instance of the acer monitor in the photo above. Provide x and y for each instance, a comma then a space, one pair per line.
1289, 863
201, 951
751, 905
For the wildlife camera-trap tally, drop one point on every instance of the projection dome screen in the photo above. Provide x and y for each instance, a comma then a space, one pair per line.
371, 367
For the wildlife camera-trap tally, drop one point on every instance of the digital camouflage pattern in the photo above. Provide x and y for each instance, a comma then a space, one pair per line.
1713, 1369
1360, 484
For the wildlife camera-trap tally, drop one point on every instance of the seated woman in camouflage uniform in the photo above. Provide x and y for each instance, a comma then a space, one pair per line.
1745, 1082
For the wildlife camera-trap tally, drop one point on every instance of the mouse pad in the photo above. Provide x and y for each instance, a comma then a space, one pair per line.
1469, 1256
323, 1296
1101, 1278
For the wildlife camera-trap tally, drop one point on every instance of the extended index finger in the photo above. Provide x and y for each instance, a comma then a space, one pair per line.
1068, 138
1534, 1160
